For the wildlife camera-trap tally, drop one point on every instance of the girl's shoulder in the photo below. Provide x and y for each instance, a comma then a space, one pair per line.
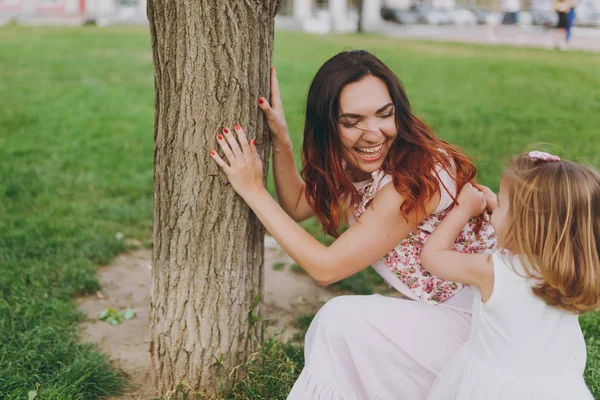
509, 277
511, 265
519, 277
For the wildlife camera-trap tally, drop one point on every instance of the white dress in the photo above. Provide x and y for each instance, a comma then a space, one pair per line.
519, 347
382, 348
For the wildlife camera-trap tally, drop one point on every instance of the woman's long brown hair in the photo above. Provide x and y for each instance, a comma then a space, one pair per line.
412, 158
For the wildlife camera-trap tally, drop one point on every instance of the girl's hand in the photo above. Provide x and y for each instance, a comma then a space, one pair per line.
471, 201
245, 168
490, 197
275, 116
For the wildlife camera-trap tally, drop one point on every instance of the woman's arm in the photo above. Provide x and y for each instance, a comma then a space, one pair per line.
288, 182
438, 257
380, 229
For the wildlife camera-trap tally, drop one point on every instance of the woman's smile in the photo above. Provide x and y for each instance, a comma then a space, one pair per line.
370, 154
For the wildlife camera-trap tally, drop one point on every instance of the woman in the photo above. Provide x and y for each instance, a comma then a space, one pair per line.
565, 9
359, 136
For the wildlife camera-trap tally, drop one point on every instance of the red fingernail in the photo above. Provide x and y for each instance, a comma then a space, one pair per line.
212, 153
237, 127
225, 130
260, 100
220, 137
253, 142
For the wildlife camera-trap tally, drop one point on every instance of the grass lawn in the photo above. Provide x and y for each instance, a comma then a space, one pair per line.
76, 140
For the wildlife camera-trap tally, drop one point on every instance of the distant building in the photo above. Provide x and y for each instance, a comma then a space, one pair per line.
73, 11
528, 5
323, 16
318, 16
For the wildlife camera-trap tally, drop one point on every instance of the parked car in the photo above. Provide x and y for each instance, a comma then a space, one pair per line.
462, 16
432, 16
485, 16
387, 13
587, 17
401, 16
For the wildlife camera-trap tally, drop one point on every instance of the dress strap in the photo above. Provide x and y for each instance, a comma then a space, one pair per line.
367, 193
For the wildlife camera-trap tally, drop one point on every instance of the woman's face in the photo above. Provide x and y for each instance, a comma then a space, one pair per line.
367, 125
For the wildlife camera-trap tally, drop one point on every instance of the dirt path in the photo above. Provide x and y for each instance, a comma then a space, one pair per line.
126, 283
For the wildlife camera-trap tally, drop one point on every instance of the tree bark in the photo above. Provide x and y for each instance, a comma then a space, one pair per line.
360, 8
211, 62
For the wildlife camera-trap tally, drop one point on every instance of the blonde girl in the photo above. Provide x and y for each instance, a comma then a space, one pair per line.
525, 340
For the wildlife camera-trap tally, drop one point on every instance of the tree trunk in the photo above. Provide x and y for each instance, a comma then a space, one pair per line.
360, 8
211, 63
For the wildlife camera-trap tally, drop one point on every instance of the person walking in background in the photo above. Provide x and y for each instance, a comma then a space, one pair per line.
510, 10
566, 16
510, 16
570, 22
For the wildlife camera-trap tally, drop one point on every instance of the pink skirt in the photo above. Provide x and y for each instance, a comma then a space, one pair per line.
376, 347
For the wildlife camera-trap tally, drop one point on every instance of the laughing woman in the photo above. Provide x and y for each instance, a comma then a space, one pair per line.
368, 161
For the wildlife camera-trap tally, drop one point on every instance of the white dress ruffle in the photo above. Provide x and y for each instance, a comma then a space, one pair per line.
376, 347
311, 386
467, 377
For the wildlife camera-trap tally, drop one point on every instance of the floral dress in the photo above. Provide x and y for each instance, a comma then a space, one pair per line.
379, 347
405, 259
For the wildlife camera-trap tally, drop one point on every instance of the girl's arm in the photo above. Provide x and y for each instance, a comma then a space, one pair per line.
380, 229
438, 257
288, 182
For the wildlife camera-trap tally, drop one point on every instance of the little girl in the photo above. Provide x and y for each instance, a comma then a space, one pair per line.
525, 340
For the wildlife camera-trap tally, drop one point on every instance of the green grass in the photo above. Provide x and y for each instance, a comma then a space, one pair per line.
295, 268
76, 140
279, 266
76, 148
270, 373
303, 321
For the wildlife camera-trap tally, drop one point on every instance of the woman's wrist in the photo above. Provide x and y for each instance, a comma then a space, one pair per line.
462, 213
280, 146
256, 196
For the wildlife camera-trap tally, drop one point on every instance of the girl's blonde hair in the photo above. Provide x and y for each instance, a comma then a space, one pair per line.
554, 226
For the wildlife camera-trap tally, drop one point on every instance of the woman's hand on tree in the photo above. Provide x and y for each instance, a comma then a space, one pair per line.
275, 116
471, 201
243, 168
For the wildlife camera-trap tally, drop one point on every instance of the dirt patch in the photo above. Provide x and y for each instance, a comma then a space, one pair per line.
126, 283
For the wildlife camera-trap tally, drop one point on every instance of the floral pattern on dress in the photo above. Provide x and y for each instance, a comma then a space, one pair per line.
405, 259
